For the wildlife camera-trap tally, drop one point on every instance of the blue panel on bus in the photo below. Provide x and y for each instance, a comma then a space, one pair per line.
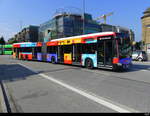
26, 53
49, 57
125, 61
91, 41
28, 45
91, 56
39, 56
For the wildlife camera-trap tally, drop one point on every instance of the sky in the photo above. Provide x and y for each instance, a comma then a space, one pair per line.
17, 14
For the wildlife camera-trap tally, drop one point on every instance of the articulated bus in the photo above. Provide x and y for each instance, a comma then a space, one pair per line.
100, 50
6, 49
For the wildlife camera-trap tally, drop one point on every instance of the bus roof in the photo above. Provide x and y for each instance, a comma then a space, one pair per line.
55, 42
27, 44
82, 36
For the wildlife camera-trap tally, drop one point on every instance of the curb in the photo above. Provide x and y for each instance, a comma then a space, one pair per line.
3, 108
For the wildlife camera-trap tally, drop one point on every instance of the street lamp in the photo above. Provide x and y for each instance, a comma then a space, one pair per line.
83, 16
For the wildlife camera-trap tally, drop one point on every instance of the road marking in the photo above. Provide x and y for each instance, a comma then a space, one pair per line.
136, 69
100, 100
143, 70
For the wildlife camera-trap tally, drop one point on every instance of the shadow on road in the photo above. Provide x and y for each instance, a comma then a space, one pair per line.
58, 70
14, 72
138, 67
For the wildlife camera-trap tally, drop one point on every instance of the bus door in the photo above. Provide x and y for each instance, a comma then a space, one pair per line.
61, 54
16, 51
68, 53
104, 53
33, 52
101, 54
44, 52
108, 52
76, 54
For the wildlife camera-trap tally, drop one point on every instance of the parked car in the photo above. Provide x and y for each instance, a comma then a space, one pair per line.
139, 56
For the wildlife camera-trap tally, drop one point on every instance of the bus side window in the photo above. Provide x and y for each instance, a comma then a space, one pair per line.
89, 48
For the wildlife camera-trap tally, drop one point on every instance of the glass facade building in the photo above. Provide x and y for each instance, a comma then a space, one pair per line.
66, 25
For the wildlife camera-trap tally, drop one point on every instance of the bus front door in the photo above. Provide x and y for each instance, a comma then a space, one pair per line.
104, 53
101, 54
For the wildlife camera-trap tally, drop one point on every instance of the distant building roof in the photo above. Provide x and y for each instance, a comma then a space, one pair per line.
146, 13
147, 10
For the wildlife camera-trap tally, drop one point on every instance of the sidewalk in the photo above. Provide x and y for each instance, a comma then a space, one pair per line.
2, 102
1, 95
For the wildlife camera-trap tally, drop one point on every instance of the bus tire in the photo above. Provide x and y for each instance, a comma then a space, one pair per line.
53, 60
115, 68
89, 64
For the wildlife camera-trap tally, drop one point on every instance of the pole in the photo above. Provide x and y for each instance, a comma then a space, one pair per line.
83, 17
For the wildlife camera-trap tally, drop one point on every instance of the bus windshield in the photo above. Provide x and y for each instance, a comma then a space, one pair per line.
125, 47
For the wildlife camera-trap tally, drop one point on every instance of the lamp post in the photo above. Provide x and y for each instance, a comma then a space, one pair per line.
83, 16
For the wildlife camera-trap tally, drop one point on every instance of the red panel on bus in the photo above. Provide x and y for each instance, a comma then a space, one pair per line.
39, 44
68, 61
115, 60
24, 56
29, 56
55, 43
16, 45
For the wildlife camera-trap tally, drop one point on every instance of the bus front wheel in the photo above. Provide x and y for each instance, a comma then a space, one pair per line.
53, 60
115, 68
89, 64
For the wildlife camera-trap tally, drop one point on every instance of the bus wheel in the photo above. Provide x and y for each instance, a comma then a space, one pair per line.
89, 64
53, 60
115, 68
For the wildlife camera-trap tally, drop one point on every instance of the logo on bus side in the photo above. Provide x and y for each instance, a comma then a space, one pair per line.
104, 38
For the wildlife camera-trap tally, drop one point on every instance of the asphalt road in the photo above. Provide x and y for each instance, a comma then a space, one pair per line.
44, 87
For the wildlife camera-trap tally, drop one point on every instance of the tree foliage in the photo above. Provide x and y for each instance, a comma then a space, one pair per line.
2, 40
139, 45
11, 41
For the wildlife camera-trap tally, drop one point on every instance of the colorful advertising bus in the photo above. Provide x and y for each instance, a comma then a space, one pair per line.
100, 50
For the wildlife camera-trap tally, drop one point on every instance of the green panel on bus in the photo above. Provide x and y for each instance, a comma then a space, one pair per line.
7, 53
7, 46
7, 49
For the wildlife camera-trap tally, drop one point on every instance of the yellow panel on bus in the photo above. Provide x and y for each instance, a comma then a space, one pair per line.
67, 58
76, 40
70, 41
61, 43
67, 42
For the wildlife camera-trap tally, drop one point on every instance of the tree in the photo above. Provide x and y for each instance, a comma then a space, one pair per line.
11, 41
139, 45
2, 40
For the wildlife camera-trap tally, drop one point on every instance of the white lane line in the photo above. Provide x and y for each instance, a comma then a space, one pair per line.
100, 100
144, 70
